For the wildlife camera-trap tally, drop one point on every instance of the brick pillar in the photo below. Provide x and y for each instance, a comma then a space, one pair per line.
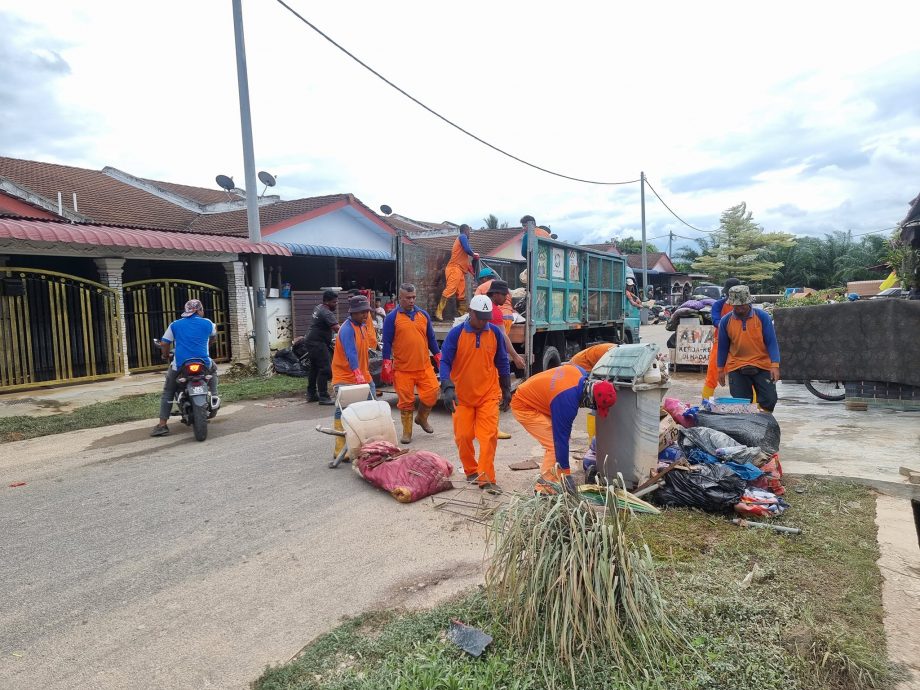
110, 274
237, 308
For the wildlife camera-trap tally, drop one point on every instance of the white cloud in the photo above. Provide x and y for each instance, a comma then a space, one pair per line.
724, 101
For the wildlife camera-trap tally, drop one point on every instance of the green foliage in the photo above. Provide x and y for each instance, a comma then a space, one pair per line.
741, 248
568, 584
630, 245
825, 263
491, 222
904, 259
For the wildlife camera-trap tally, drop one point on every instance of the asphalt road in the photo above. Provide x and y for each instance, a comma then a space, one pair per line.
132, 562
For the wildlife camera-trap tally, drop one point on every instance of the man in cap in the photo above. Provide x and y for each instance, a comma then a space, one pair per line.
500, 295
631, 293
719, 309
455, 273
350, 360
192, 335
546, 405
319, 345
748, 351
408, 338
475, 377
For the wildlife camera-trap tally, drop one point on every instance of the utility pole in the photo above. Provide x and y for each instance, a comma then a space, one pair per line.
670, 243
644, 251
257, 271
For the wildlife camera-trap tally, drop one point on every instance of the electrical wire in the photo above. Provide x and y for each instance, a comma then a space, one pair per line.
437, 114
692, 227
875, 232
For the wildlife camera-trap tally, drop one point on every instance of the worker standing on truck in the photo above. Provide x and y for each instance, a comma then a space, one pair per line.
455, 273
587, 358
748, 351
537, 230
475, 378
408, 338
350, 359
718, 310
546, 405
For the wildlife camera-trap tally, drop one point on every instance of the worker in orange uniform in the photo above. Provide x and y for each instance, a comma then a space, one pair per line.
408, 338
546, 405
587, 358
526, 222
455, 273
748, 351
718, 310
499, 293
475, 377
350, 360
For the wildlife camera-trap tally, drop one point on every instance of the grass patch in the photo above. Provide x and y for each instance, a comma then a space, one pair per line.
810, 619
134, 407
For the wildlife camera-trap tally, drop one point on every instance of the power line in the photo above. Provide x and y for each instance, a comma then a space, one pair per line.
692, 227
875, 232
437, 114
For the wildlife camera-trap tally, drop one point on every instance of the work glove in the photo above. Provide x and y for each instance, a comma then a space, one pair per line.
568, 484
449, 396
475, 256
386, 373
359, 377
505, 382
437, 361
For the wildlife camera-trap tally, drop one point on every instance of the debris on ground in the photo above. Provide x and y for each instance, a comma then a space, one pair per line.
471, 640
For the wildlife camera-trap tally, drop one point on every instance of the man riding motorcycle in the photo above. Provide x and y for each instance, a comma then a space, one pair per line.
192, 335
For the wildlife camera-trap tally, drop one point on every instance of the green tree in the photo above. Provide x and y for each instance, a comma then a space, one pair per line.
630, 245
491, 222
685, 256
741, 248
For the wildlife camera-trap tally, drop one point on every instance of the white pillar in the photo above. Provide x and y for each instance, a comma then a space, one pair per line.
110, 274
237, 307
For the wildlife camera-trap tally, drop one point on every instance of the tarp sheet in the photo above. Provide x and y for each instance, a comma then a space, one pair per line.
870, 340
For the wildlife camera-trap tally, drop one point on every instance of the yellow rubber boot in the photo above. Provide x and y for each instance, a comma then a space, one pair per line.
422, 418
462, 307
439, 312
339, 440
407, 426
503, 434
708, 392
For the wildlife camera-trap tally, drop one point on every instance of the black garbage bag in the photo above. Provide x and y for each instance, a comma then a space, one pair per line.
286, 362
759, 429
714, 488
375, 363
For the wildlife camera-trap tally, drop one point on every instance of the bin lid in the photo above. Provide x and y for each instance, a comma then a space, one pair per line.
625, 363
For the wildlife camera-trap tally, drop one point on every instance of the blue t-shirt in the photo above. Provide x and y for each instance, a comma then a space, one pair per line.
191, 335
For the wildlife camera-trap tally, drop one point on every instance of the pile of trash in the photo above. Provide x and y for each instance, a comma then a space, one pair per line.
724, 455
695, 308
406, 476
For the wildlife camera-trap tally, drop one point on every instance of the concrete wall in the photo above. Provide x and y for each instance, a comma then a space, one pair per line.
341, 228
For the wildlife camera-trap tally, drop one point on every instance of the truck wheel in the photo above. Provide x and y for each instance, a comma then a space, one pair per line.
551, 358
628, 339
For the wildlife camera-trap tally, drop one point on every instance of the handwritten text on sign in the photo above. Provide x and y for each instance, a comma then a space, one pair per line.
694, 343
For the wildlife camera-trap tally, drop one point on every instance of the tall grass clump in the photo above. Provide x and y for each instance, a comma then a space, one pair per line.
568, 584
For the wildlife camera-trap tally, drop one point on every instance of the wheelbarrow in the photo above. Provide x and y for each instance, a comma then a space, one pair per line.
363, 421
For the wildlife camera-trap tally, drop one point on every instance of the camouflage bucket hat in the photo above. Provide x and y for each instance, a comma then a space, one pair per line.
738, 295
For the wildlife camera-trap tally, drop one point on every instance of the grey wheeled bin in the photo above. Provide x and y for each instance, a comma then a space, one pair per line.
627, 438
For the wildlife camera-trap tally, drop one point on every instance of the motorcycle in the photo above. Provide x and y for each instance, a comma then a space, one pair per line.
193, 399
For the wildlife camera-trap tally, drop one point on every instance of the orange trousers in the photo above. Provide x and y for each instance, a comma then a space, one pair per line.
406, 382
540, 426
455, 278
712, 368
480, 423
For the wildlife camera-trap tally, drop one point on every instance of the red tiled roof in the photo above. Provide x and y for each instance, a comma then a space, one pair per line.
202, 195
608, 247
484, 241
235, 222
99, 197
110, 236
652, 258
412, 225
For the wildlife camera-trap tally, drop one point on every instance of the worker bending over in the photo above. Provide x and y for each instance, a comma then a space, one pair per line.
475, 377
349, 360
587, 358
718, 310
748, 350
408, 338
455, 273
546, 405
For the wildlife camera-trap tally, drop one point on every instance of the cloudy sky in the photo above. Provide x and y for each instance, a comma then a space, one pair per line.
810, 115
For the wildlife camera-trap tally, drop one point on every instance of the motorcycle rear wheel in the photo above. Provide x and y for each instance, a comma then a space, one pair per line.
827, 390
200, 422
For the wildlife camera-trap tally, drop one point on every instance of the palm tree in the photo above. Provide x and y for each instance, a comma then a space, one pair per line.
491, 222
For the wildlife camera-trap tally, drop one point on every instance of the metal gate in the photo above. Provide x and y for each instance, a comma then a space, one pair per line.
56, 328
151, 305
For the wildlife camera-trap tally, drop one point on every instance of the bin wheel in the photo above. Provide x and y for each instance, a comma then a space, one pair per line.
551, 358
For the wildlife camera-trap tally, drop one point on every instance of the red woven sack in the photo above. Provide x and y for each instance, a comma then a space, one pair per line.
406, 476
